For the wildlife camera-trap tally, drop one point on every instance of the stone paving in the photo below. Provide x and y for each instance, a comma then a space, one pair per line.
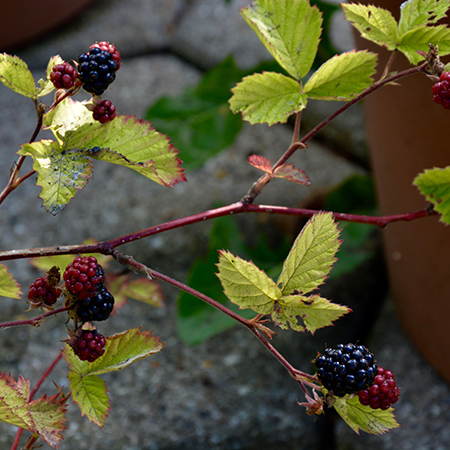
227, 393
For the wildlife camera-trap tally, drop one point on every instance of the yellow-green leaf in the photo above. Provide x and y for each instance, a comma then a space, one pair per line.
45, 85
374, 23
311, 257
414, 13
315, 312
9, 287
342, 77
435, 185
14, 73
267, 98
289, 29
246, 285
360, 417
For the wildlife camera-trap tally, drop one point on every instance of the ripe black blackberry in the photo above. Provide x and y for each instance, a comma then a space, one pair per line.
96, 70
88, 345
383, 393
42, 294
106, 46
84, 276
346, 369
441, 90
97, 307
63, 76
104, 111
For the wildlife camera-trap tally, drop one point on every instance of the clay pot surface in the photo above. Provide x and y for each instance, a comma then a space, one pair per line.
407, 133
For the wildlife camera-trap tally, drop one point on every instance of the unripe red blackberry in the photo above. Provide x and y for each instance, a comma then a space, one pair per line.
96, 70
346, 369
88, 345
104, 111
41, 293
96, 308
106, 46
441, 90
84, 276
63, 76
383, 393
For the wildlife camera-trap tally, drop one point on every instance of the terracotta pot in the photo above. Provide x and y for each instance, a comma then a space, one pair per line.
407, 133
25, 20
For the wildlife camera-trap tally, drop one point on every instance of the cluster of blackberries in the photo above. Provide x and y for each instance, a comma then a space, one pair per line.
351, 369
42, 294
441, 90
84, 279
88, 345
96, 70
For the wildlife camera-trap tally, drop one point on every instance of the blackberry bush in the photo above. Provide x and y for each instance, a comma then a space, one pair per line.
346, 369
88, 345
383, 393
96, 308
96, 70
41, 293
63, 76
441, 90
84, 276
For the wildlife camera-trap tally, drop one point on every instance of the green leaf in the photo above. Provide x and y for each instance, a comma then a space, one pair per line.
44, 416
45, 85
420, 37
91, 396
9, 287
435, 185
88, 390
14, 73
140, 289
374, 23
267, 98
290, 30
311, 257
360, 417
291, 173
60, 172
246, 285
414, 13
315, 312
342, 77
132, 143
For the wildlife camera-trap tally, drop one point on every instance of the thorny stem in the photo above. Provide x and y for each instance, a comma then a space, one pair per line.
250, 324
107, 247
35, 321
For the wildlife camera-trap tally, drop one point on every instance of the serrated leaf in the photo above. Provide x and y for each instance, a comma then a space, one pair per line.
414, 13
291, 173
139, 145
246, 285
267, 98
360, 417
60, 172
91, 396
420, 37
260, 162
14, 73
9, 287
311, 257
374, 23
435, 185
44, 416
342, 77
45, 85
315, 312
290, 30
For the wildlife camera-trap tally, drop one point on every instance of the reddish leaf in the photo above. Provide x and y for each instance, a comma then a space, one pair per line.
291, 173
261, 163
